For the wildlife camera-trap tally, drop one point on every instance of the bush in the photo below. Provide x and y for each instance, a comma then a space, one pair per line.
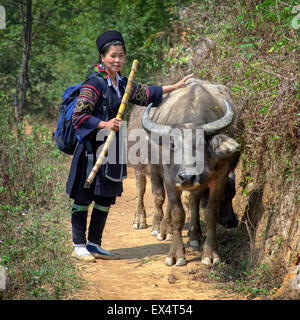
33, 240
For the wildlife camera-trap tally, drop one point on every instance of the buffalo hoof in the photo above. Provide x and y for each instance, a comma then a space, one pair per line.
155, 233
180, 262
169, 237
139, 226
216, 260
194, 243
161, 237
170, 261
206, 261
209, 262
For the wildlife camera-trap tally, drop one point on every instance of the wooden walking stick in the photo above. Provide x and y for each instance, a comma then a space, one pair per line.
112, 133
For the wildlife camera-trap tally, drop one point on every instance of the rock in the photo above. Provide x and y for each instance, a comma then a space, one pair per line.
3, 283
172, 278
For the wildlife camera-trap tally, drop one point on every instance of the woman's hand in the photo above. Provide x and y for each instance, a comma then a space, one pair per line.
179, 84
112, 124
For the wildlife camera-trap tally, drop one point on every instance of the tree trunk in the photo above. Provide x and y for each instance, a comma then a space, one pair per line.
22, 79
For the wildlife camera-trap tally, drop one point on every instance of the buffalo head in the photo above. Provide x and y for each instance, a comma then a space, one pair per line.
198, 145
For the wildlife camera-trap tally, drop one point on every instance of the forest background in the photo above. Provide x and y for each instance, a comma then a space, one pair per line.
250, 45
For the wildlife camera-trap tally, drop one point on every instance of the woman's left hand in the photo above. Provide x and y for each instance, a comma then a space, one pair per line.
179, 84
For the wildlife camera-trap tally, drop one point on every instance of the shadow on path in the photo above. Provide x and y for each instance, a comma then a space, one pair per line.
141, 252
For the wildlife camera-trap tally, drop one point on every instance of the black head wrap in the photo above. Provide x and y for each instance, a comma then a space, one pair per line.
108, 36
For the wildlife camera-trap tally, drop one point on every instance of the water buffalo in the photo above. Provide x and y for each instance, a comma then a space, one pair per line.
199, 105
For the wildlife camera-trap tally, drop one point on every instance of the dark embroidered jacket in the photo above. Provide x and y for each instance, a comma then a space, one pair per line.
94, 105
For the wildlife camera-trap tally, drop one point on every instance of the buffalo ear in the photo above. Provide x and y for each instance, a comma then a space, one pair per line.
222, 147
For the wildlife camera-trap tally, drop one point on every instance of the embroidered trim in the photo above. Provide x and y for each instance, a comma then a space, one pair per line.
99, 68
87, 85
78, 208
141, 94
76, 126
101, 208
82, 111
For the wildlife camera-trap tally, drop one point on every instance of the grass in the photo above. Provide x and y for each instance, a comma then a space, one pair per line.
34, 243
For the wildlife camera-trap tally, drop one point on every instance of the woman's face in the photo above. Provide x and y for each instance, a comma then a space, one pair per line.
114, 59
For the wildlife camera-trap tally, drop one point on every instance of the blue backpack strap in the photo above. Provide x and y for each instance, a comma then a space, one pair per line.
101, 81
103, 90
74, 93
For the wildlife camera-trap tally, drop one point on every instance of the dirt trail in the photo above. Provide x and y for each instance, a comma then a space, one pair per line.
140, 272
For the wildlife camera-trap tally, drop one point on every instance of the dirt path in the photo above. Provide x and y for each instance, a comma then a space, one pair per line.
140, 272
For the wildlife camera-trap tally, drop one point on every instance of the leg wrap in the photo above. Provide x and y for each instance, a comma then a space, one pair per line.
97, 223
79, 218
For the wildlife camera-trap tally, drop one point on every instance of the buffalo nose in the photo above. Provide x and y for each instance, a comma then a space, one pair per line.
186, 179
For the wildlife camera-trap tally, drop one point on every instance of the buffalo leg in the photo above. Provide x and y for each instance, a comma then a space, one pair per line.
158, 192
177, 250
210, 249
165, 229
195, 233
140, 213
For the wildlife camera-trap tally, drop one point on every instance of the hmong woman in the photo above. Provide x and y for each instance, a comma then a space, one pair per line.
96, 108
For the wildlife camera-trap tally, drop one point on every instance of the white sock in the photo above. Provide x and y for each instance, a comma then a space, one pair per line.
81, 249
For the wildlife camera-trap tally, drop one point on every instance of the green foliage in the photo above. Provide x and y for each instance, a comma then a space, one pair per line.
33, 241
256, 282
257, 48
256, 56
64, 43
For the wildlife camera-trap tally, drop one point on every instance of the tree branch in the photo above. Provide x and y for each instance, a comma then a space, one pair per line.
13, 40
47, 16
22, 19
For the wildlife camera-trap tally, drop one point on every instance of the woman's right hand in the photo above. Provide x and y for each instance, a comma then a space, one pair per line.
112, 124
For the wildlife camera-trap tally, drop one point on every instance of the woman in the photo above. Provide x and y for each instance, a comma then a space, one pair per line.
96, 108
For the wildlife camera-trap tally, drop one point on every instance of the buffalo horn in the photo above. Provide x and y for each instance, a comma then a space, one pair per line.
212, 127
209, 128
152, 127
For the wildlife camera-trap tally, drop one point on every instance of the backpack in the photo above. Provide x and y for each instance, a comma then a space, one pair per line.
65, 137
